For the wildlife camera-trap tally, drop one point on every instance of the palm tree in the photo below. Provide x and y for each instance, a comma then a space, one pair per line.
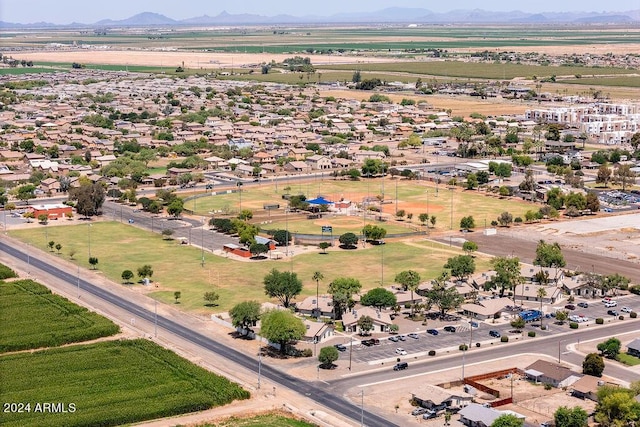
542, 292
317, 276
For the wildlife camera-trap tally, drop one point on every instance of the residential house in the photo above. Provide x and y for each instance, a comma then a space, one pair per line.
381, 320
437, 398
476, 415
587, 388
297, 166
316, 332
486, 309
263, 157
50, 185
633, 348
319, 162
552, 373
529, 292
324, 304
299, 153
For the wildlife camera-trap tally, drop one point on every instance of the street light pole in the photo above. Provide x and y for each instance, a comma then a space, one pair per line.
78, 280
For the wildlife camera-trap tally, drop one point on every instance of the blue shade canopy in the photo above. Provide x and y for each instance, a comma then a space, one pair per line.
319, 201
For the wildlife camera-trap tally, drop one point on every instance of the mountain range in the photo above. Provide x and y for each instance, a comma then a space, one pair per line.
388, 15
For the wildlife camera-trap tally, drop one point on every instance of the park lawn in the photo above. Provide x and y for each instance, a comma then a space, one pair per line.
414, 197
178, 267
264, 420
32, 317
628, 360
109, 383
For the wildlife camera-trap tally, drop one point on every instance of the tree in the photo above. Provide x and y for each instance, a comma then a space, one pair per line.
327, 356
616, 407
593, 365
433, 220
177, 295
624, 176
317, 276
507, 420
282, 237
43, 219
574, 417
245, 215
469, 247
282, 327
541, 293
549, 255
444, 296
127, 275
562, 316
342, 290
167, 233
365, 323
379, 298
282, 285
89, 198
245, 315
93, 261
26, 192
529, 183
604, 175
462, 266
423, 218
211, 298
518, 323
323, 246
505, 219
258, 249
593, 202
373, 232
51, 244
58, 247
3, 197
409, 280
145, 271
472, 181
175, 208
348, 240
467, 223
609, 348
507, 275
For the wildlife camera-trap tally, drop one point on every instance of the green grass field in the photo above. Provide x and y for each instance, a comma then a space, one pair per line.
628, 360
32, 317
623, 81
178, 267
110, 383
28, 70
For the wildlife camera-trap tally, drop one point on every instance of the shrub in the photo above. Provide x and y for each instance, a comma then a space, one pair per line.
504, 338
599, 321
532, 333
633, 314
463, 347
6, 272
432, 352
548, 386
477, 344
573, 325
620, 317
307, 352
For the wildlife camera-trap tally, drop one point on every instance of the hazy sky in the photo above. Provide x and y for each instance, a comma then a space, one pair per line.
89, 11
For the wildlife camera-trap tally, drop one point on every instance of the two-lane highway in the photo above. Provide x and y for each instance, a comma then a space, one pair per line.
321, 395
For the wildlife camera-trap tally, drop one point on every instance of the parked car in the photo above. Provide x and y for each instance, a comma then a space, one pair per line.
473, 323
583, 304
429, 415
340, 347
606, 299
432, 331
393, 338
449, 328
494, 333
419, 411
367, 343
402, 337
401, 351
626, 310
413, 335
570, 307
401, 366
612, 312
610, 304
375, 341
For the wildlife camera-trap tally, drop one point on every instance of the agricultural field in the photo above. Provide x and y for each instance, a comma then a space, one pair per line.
59, 321
178, 267
108, 384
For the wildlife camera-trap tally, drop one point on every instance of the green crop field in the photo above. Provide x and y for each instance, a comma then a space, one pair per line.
28, 70
622, 81
32, 317
475, 70
108, 384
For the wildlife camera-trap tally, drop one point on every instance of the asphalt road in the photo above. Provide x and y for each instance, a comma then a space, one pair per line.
319, 394
555, 346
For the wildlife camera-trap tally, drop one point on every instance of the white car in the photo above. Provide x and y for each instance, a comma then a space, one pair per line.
610, 304
626, 310
401, 351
